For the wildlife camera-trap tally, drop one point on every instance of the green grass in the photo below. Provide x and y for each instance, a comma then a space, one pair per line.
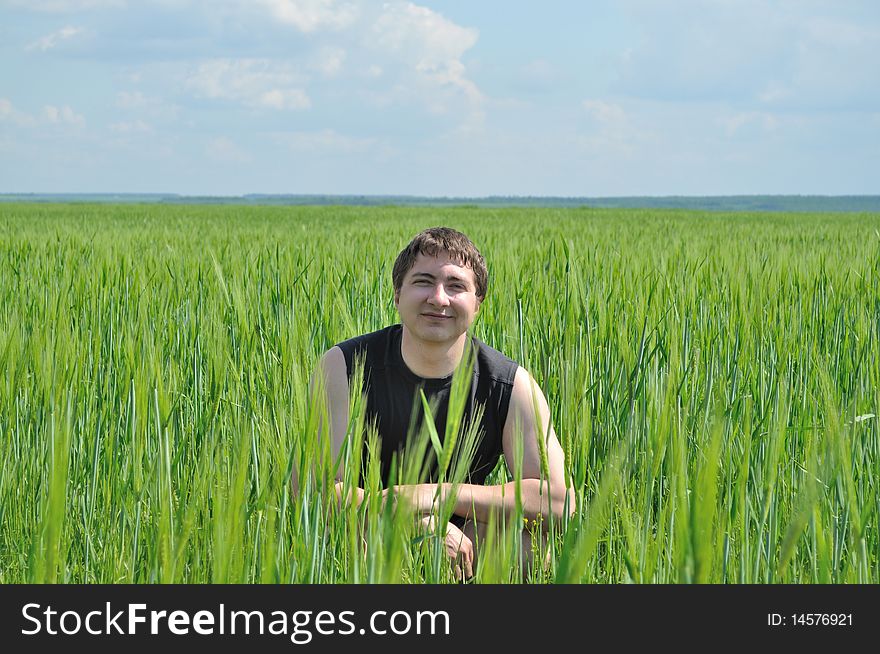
709, 376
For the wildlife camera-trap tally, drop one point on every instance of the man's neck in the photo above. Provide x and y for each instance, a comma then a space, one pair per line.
431, 360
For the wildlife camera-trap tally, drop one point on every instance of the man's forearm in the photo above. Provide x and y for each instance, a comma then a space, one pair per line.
479, 502
355, 495
539, 499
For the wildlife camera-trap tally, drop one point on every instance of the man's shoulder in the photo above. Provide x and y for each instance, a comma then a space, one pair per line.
376, 338
372, 346
496, 364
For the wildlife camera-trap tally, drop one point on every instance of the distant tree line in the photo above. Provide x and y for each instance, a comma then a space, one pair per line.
795, 203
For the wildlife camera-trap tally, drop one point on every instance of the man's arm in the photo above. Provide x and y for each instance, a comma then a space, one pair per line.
329, 385
527, 417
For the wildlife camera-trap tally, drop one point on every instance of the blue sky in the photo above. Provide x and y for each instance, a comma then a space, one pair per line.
445, 97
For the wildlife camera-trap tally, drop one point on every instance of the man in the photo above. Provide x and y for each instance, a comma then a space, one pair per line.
440, 281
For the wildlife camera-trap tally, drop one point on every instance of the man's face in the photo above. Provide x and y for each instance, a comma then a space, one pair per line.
437, 301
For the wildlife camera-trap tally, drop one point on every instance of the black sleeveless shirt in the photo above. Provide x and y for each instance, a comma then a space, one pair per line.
394, 402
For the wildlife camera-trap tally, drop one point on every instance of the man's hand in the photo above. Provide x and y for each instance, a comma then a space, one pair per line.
459, 548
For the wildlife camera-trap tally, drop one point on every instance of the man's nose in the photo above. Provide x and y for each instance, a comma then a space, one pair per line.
438, 296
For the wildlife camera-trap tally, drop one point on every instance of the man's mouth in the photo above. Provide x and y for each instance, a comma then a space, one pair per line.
436, 315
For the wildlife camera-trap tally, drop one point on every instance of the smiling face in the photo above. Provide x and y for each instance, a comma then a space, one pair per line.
437, 300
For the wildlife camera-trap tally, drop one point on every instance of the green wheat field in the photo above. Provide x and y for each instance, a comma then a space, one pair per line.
713, 379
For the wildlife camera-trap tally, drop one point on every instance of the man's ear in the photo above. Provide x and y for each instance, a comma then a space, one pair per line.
479, 303
396, 298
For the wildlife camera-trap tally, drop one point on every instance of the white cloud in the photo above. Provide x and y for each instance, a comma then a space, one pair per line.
736, 122
252, 82
699, 50
50, 115
313, 15
133, 127
63, 116
324, 141
407, 53
792, 54
224, 150
539, 76
9, 113
328, 61
151, 106
840, 33
405, 27
284, 99
540, 70
610, 130
836, 65
433, 44
51, 40
774, 92
131, 99
395, 54
604, 112
65, 6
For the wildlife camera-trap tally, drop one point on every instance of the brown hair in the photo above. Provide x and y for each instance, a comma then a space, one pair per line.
434, 241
